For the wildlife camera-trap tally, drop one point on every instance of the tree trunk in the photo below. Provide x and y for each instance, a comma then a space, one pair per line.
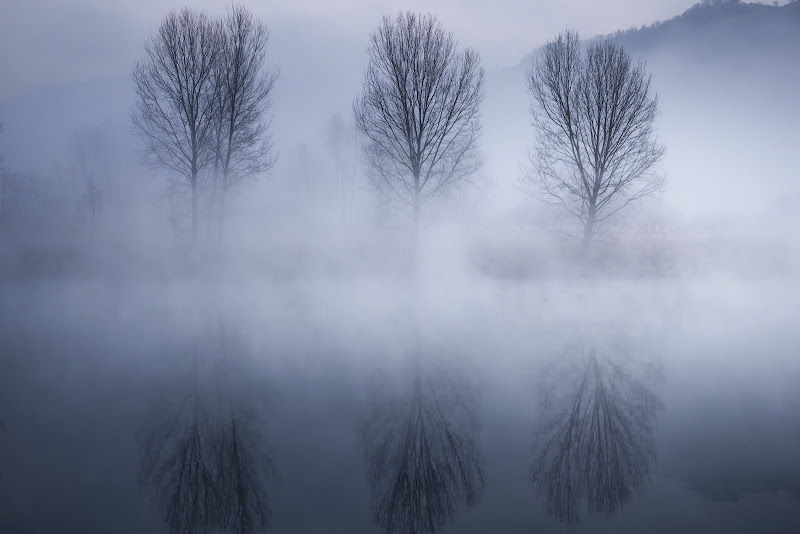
415, 279
222, 194
416, 223
415, 230
588, 228
213, 200
194, 207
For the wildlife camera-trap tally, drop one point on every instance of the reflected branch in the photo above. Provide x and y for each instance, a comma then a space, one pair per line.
177, 468
244, 463
595, 441
423, 459
206, 466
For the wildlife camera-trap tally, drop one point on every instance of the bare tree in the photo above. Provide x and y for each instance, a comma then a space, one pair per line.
243, 96
419, 111
90, 197
8, 185
174, 108
13, 192
594, 116
87, 169
595, 438
302, 170
342, 142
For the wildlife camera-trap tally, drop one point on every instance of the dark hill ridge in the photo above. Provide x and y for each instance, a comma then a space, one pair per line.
720, 26
715, 26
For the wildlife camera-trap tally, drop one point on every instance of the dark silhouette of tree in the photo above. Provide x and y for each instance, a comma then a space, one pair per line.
419, 111
302, 170
594, 116
207, 464
19, 192
243, 98
594, 443
422, 456
341, 139
91, 192
91, 197
174, 110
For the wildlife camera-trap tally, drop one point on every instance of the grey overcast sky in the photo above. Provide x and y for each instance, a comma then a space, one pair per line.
54, 42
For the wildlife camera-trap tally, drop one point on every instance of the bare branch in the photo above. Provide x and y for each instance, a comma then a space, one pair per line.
419, 110
595, 439
174, 108
594, 116
423, 459
243, 93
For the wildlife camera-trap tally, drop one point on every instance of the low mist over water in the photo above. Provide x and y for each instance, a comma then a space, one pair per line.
606, 403
485, 311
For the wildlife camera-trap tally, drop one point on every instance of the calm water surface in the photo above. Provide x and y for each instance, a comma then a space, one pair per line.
348, 406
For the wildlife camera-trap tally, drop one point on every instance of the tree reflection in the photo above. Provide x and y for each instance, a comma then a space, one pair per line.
206, 464
178, 468
422, 457
595, 440
244, 463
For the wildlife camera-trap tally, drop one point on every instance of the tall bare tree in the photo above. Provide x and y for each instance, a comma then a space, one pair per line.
243, 144
91, 197
302, 170
90, 171
342, 141
10, 186
419, 110
174, 110
10, 190
594, 115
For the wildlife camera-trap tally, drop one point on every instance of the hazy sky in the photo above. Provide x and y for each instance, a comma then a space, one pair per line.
45, 42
